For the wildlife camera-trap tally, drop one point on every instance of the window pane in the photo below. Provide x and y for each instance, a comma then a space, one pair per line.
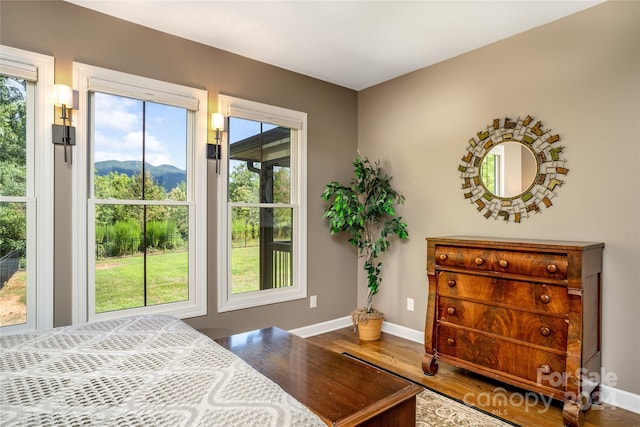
128, 132
13, 137
13, 272
119, 262
167, 254
261, 255
141, 256
259, 162
165, 149
117, 146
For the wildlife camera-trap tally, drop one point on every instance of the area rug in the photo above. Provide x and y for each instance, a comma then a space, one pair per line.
434, 409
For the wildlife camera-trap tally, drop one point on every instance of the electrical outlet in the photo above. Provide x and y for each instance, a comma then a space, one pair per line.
410, 304
313, 301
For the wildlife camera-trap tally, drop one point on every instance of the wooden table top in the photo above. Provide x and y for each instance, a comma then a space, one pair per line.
341, 390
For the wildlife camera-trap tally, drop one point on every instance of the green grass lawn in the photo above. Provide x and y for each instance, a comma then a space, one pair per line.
119, 281
245, 271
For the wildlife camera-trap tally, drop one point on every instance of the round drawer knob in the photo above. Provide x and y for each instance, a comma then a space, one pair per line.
552, 268
451, 342
451, 283
504, 263
545, 332
544, 369
479, 261
451, 310
544, 298
443, 257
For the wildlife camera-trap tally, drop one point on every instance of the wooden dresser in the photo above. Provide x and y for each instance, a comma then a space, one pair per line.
525, 312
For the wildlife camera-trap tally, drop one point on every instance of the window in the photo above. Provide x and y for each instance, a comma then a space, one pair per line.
491, 169
145, 198
26, 191
263, 195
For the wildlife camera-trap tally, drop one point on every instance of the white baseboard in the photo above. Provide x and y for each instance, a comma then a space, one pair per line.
620, 398
321, 328
403, 332
343, 322
612, 396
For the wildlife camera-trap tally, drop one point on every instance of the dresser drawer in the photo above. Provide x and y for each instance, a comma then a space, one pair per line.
526, 295
540, 367
534, 328
541, 265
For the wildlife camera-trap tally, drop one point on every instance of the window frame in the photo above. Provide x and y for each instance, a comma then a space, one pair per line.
297, 122
40, 189
88, 78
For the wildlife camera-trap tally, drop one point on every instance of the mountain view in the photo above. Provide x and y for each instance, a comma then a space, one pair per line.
167, 176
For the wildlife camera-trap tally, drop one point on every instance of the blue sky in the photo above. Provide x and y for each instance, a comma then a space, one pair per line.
118, 131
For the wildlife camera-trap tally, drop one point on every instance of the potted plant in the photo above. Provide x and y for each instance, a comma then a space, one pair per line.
365, 208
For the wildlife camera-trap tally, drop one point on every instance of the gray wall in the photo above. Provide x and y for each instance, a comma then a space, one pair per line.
69, 33
581, 77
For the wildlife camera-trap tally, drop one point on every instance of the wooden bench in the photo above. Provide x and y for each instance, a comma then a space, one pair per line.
340, 390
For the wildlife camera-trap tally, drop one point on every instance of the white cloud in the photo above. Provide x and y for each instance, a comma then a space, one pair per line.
117, 113
129, 147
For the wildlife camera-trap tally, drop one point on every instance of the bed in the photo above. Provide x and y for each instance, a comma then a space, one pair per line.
136, 371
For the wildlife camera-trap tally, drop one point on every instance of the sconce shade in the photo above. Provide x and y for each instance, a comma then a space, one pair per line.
217, 121
63, 95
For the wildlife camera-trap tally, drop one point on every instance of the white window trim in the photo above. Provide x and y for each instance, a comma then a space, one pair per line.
297, 120
86, 78
22, 64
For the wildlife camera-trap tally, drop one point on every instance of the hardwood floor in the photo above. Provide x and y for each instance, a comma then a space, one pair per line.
404, 357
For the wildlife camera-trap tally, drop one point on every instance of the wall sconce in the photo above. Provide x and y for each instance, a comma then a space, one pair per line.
64, 134
213, 150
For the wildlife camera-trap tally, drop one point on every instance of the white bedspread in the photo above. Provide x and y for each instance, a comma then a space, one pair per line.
136, 371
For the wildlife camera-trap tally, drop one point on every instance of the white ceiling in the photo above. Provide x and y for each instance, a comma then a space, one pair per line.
355, 44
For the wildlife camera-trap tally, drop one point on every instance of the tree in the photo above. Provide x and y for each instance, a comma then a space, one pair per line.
243, 187
117, 186
179, 214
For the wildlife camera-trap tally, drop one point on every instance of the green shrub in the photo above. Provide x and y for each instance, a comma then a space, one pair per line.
125, 238
156, 234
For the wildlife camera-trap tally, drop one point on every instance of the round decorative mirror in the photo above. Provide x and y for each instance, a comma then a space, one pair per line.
512, 168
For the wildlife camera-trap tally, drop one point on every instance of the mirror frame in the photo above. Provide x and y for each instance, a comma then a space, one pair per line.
551, 169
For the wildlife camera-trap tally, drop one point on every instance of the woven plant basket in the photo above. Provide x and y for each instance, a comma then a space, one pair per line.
369, 330
369, 323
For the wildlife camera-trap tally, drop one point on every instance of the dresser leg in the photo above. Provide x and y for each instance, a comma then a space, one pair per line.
572, 414
429, 364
